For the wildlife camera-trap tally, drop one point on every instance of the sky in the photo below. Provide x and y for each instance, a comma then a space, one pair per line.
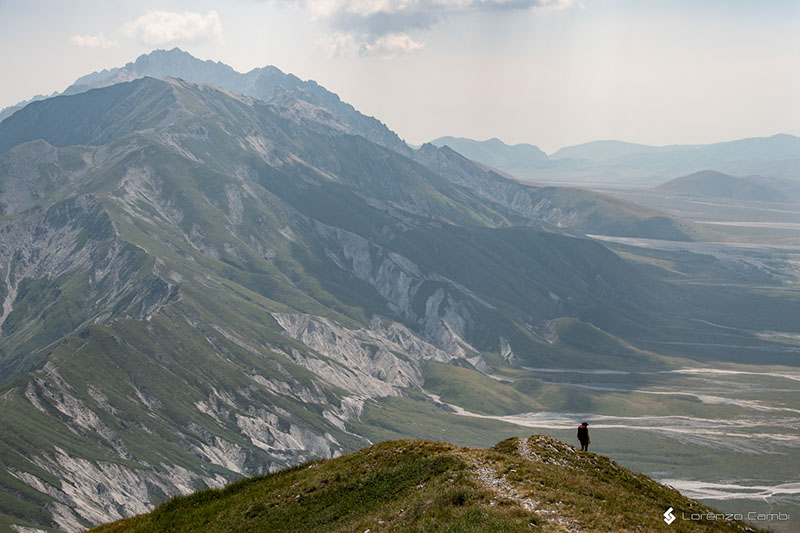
547, 72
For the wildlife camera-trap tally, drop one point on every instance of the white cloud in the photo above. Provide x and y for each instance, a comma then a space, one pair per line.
380, 27
97, 40
385, 46
326, 9
391, 45
159, 28
339, 44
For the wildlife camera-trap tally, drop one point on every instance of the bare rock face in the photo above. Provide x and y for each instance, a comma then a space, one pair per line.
91, 491
229, 434
98, 491
52, 252
374, 362
445, 314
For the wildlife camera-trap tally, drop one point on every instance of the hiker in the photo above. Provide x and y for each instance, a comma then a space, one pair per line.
583, 436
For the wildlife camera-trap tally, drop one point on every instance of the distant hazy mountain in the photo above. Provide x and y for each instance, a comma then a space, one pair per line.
465, 162
603, 150
777, 156
614, 161
780, 146
710, 184
173, 63
495, 152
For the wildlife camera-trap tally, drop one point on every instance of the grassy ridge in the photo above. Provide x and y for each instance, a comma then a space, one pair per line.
432, 486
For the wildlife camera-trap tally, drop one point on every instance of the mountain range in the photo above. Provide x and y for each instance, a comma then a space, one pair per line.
777, 157
228, 274
495, 152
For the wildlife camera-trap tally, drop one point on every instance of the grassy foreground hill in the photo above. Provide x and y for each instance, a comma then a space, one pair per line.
534, 484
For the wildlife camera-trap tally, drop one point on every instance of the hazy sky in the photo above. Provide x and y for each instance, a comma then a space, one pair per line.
548, 72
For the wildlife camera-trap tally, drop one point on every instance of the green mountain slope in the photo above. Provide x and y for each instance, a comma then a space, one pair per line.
432, 486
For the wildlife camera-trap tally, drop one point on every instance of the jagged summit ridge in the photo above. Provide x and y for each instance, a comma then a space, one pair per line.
268, 84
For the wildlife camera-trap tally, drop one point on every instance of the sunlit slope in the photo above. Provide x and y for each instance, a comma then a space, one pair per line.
432, 486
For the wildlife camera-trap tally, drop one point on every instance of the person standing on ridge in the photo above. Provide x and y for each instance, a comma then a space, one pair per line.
583, 436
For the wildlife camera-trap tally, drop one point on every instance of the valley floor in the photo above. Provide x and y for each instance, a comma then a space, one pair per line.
739, 462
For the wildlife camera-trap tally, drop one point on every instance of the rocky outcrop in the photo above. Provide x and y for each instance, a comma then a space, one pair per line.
90, 491
114, 479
